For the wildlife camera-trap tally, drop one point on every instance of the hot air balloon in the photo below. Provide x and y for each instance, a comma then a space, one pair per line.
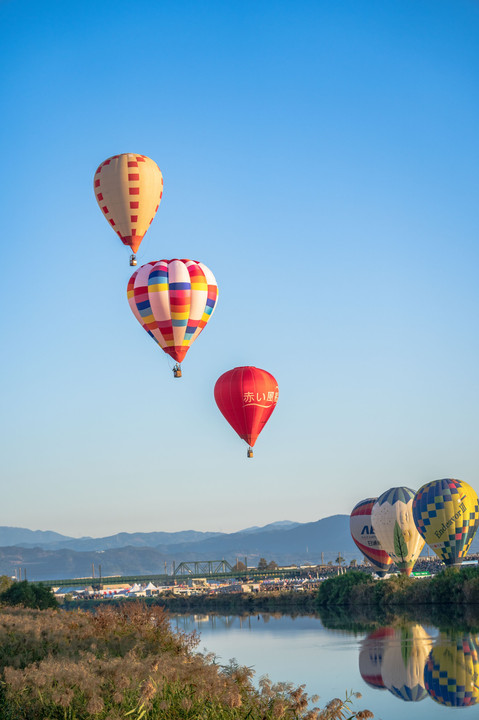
451, 675
363, 535
371, 656
173, 300
446, 513
403, 662
247, 396
393, 524
128, 189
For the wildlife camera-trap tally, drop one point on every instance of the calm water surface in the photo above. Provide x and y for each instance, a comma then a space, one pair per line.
397, 670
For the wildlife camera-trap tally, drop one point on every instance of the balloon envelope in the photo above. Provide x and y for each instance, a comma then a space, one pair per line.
371, 656
246, 396
363, 535
173, 300
128, 188
403, 663
451, 675
446, 513
393, 524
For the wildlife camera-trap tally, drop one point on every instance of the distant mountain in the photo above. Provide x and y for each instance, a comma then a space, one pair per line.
293, 543
49, 555
138, 539
280, 524
39, 564
24, 537
301, 543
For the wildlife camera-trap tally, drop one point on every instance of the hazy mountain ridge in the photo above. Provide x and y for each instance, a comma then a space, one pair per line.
120, 540
285, 542
47, 539
288, 543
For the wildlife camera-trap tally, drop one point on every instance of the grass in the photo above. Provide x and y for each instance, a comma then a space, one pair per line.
126, 662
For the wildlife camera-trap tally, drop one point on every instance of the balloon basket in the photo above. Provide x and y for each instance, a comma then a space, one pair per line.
133, 261
250, 452
177, 371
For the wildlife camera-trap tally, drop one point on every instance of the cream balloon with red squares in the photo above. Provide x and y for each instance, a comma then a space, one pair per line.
128, 189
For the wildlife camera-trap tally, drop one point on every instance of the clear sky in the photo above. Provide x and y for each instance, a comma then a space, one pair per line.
322, 158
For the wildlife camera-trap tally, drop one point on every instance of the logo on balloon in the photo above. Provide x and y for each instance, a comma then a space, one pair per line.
258, 399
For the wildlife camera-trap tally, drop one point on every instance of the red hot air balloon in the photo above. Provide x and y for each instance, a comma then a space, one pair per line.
363, 535
247, 396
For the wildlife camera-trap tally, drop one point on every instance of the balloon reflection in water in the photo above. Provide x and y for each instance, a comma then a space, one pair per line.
371, 656
403, 664
451, 675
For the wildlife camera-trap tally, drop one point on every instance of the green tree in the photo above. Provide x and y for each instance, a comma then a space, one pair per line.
272, 565
5, 583
353, 562
263, 564
339, 559
32, 595
340, 590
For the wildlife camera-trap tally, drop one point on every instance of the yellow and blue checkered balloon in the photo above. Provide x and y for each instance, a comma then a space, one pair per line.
451, 675
446, 513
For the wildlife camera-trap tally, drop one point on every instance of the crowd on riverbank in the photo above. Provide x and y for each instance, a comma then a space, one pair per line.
194, 587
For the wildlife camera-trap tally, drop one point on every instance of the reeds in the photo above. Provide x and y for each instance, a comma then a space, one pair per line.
126, 662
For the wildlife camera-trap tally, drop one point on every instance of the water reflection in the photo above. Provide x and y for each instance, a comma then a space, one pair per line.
394, 658
405, 660
452, 670
371, 657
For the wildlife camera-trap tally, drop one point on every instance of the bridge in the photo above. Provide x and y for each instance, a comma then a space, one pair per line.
211, 569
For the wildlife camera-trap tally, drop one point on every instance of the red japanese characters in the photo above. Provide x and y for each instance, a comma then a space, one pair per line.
247, 396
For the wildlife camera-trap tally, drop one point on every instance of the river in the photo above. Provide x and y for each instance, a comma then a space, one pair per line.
401, 663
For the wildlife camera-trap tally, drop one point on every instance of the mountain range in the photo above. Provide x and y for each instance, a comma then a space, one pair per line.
46, 555
49, 555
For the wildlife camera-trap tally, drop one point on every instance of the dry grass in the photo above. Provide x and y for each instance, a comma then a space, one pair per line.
126, 662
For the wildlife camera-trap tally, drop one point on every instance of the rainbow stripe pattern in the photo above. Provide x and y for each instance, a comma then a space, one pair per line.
173, 300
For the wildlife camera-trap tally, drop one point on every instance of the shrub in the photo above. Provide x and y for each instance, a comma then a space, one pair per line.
340, 590
31, 595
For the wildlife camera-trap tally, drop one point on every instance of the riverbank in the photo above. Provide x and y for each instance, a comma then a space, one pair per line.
272, 601
456, 589
284, 601
126, 661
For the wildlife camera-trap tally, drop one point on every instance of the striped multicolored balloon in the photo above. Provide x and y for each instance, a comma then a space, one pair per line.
363, 535
173, 300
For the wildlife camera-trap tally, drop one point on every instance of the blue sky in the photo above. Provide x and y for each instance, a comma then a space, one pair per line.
322, 159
